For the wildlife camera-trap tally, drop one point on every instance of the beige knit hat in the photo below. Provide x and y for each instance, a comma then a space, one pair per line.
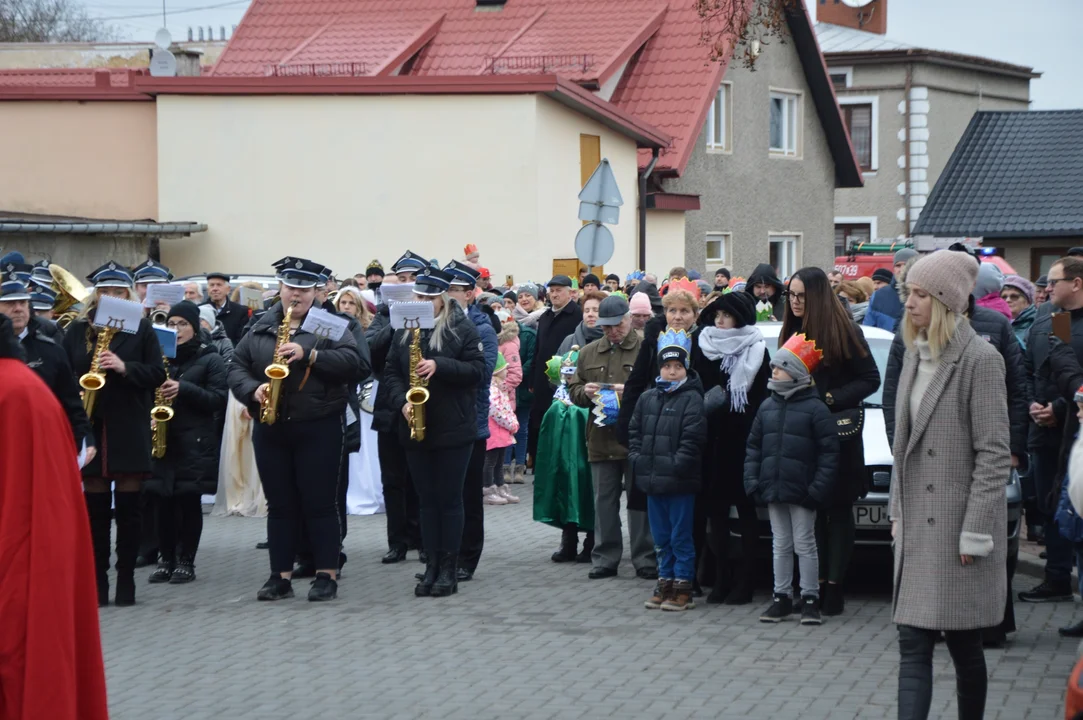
947, 275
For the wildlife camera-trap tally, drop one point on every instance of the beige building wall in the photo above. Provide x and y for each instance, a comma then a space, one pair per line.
91, 159
95, 55
665, 242
344, 180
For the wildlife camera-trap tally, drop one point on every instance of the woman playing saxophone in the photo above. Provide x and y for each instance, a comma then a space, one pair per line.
298, 456
131, 367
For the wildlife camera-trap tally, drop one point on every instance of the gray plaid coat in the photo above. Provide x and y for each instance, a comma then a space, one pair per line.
951, 468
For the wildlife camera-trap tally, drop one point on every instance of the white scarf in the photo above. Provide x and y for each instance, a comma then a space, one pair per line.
741, 351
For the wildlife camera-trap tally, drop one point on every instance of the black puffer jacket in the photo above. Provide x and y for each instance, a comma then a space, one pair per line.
337, 370
793, 452
666, 439
194, 436
1041, 386
996, 329
451, 412
121, 418
47, 358
379, 335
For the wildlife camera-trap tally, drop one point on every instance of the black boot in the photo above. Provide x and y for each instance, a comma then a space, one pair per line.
833, 601
99, 511
569, 540
721, 588
588, 547
129, 527
447, 582
424, 588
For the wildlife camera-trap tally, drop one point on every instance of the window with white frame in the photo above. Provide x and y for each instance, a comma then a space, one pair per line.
861, 115
785, 123
842, 77
717, 247
719, 134
785, 253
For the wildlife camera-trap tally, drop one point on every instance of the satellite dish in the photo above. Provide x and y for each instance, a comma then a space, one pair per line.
857, 3
163, 64
163, 39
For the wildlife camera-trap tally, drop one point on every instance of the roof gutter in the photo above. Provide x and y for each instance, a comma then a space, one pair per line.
643, 177
104, 228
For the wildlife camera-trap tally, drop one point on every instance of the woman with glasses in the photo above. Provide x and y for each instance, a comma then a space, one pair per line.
846, 376
1019, 294
196, 390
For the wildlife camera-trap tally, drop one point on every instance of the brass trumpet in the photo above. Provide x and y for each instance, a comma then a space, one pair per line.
94, 379
276, 372
161, 414
418, 394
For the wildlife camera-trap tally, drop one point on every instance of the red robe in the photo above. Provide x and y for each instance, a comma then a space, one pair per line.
50, 648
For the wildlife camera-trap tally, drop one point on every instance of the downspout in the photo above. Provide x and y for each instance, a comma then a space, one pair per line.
906, 149
644, 176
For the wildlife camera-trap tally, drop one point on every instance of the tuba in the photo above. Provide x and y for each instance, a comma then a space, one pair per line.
161, 414
417, 395
70, 293
94, 379
276, 372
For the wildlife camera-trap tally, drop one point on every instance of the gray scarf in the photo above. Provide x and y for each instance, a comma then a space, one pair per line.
787, 388
741, 351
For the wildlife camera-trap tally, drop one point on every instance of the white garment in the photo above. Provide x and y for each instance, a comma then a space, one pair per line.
365, 493
239, 488
926, 370
1075, 475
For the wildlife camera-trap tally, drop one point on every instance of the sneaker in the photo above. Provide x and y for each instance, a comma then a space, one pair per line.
503, 492
323, 588
276, 588
680, 597
780, 609
661, 593
810, 611
1048, 592
162, 573
492, 497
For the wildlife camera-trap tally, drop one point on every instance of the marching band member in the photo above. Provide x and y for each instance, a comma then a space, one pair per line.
298, 456
453, 365
133, 370
150, 273
44, 355
196, 392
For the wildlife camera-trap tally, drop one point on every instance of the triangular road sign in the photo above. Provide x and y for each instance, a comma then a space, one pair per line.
601, 192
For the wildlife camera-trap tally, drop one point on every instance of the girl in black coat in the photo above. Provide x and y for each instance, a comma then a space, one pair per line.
733, 357
847, 375
298, 456
196, 391
453, 363
133, 370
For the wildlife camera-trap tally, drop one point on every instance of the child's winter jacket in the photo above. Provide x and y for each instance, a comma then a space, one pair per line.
502, 421
793, 451
508, 341
666, 437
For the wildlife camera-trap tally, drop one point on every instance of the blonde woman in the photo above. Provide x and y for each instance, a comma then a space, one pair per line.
948, 508
133, 369
350, 302
856, 297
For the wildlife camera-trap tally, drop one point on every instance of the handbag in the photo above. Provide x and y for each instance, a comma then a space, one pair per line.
850, 423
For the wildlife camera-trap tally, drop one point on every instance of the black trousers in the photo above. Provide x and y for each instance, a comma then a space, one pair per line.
400, 497
180, 526
473, 509
304, 547
299, 466
916, 672
148, 534
438, 476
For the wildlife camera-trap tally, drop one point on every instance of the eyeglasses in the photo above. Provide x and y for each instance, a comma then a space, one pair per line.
792, 297
178, 324
1052, 282
1011, 297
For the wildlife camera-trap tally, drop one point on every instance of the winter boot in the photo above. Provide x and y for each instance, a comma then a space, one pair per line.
588, 548
569, 539
742, 591
432, 567
518, 476
129, 527
447, 582
833, 601
662, 592
680, 597
99, 512
184, 571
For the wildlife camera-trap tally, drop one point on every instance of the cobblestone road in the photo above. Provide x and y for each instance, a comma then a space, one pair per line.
526, 639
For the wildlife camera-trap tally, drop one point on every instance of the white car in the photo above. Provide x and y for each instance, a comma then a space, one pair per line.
870, 512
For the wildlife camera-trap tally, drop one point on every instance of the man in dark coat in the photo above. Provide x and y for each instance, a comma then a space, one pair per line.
764, 284
555, 324
233, 316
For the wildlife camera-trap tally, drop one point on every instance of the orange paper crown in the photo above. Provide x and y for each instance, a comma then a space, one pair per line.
805, 350
470, 249
686, 285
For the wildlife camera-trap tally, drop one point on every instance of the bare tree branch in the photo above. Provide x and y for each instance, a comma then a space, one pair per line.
741, 28
51, 21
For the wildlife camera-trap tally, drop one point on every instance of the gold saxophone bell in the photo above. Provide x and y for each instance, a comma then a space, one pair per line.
417, 394
276, 372
94, 379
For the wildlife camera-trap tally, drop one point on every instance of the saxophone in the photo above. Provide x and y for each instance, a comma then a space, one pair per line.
94, 379
417, 395
276, 372
161, 414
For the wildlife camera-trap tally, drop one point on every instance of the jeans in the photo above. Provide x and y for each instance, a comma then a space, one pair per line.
1058, 563
671, 526
438, 476
493, 473
517, 452
793, 528
916, 672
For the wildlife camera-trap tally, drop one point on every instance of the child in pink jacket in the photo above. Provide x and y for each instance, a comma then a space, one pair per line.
502, 428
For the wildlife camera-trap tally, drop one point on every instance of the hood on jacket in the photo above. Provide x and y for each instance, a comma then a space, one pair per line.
651, 291
993, 301
990, 280
764, 273
900, 279
508, 332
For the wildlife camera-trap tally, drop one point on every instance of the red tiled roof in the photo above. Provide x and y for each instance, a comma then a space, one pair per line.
669, 86
71, 84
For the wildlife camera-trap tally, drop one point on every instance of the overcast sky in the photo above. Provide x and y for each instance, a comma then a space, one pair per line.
1043, 34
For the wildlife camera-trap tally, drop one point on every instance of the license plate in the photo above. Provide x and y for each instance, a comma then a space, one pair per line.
871, 516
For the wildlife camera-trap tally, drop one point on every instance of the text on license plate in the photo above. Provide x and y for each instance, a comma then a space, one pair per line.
871, 516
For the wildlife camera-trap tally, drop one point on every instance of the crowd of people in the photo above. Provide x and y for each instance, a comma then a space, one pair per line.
665, 393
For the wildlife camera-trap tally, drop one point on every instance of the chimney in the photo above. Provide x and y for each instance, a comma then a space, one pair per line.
221, 32
870, 17
189, 33
201, 33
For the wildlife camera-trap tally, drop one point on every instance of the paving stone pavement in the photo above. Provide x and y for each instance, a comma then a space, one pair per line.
526, 639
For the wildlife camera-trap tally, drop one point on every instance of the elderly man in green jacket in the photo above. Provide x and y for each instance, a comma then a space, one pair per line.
608, 361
